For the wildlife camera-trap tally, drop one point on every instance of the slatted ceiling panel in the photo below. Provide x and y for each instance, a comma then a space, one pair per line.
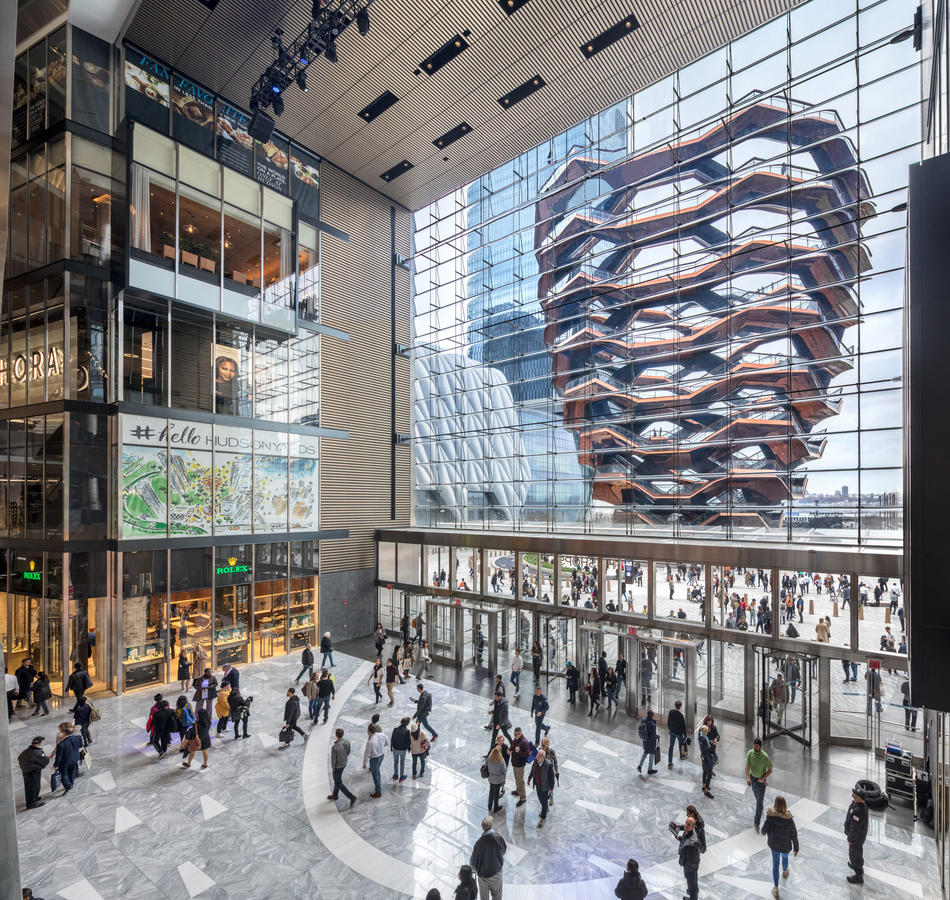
230, 48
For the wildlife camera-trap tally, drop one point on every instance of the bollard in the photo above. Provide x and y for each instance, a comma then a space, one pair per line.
811, 607
887, 615
860, 612
834, 609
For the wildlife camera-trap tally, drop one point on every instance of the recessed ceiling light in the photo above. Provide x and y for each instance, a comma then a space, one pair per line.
519, 93
625, 26
444, 55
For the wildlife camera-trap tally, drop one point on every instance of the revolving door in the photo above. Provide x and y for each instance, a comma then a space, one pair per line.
784, 682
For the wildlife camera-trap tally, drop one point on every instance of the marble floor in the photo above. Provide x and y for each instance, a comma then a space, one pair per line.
256, 823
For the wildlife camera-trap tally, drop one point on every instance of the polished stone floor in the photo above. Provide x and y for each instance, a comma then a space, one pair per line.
256, 824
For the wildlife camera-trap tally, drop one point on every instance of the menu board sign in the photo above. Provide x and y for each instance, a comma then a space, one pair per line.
193, 119
270, 163
37, 88
235, 145
90, 80
147, 92
305, 184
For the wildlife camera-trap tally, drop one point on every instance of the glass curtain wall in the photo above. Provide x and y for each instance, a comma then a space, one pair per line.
683, 316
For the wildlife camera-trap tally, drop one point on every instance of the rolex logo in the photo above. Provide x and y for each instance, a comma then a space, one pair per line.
232, 560
32, 565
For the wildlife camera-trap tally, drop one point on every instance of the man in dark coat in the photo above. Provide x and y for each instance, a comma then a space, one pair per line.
164, 722
542, 777
856, 831
79, 682
291, 714
602, 671
689, 858
306, 663
25, 675
231, 677
66, 761
539, 707
32, 761
499, 719
206, 689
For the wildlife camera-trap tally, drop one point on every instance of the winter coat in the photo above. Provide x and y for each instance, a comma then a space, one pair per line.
781, 831
631, 887
649, 742
221, 706
497, 771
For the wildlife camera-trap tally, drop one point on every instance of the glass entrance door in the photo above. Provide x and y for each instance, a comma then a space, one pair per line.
784, 694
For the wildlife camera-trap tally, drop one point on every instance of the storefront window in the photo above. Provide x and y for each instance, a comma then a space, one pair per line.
145, 628
88, 476
304, 351
90, 618
232, 371
308, 274
19, 217
192, 352
270, 599
233, 569
4, 496
199, 234
21, 96
303, 609
34, 369
242, 251
37, 110
190, 604
56, 200
56, 75
145, 355
37, 227
34, 477
89, 337
16, 503
152, 215
90, 217
53, 661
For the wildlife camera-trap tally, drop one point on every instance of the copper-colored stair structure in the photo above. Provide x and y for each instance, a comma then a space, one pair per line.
683, 405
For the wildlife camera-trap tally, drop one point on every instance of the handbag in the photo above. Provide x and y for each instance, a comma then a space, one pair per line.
484, 770
656, 754
286, 735
54, 781
194, 744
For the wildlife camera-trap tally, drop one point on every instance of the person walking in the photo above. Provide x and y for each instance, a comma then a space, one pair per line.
520, 751
206, 689
910, 711
400, 743
240, 711
856, 831
646, 676
222, 709
291, 714
339, 757
32, 761
376, 746
404, 628
164, 722
42, 692
326, 648
199, 661
552, 758
200, 734
602, 668
185, 715
497, 763
379, 638
779, 828
488, 861
82, 716
306, 663
79, 682
392, 673
631, 885
499, 719
537, 655
425, 660
648, 739
376, 678
66, 760
676, 723
326, 690
517, 664
419, 748
707, 758
621, 670
539, 707
873, 678
593, 690
311, 692
758, 767
24, 674
10, 685
573, 678
542, 777
419, 623
689, 852
423, 708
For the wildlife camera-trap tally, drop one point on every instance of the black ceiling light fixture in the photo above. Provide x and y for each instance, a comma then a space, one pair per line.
512, 6
445, 54
625, 26
533, 84
451, 136
397, 170
383, 102
329, 19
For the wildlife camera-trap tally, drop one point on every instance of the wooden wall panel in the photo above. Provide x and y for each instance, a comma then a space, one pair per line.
356, 391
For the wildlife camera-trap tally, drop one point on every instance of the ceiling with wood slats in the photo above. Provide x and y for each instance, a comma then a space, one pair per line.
229, 48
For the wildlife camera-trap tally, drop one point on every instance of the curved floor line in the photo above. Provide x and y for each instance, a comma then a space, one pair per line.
336, 834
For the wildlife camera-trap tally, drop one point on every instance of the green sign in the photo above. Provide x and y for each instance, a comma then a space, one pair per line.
232, 568
33, 576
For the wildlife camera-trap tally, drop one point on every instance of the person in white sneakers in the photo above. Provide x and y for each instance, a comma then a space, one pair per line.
517, 664
779, 828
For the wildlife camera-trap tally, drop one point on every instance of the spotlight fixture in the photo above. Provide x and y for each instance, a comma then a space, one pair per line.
330, 51
278, 106
613, 34
302, 80
362, 21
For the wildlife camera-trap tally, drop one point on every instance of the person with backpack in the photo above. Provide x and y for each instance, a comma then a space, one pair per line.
521, 752
542, 777
419, 748
42, 692
79, 682
423, 708
779, 828
185, 714
631, 885
83, 716
311, 692
648, 739
306, 663
291, 714
239, 711
164, 722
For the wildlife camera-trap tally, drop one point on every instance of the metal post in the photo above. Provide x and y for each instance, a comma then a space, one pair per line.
692, 662
10, 882
824, 700
749, 680
492, 637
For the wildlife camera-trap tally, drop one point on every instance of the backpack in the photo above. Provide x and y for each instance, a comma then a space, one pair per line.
415, 623
642, 730
533, 754
94, 714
